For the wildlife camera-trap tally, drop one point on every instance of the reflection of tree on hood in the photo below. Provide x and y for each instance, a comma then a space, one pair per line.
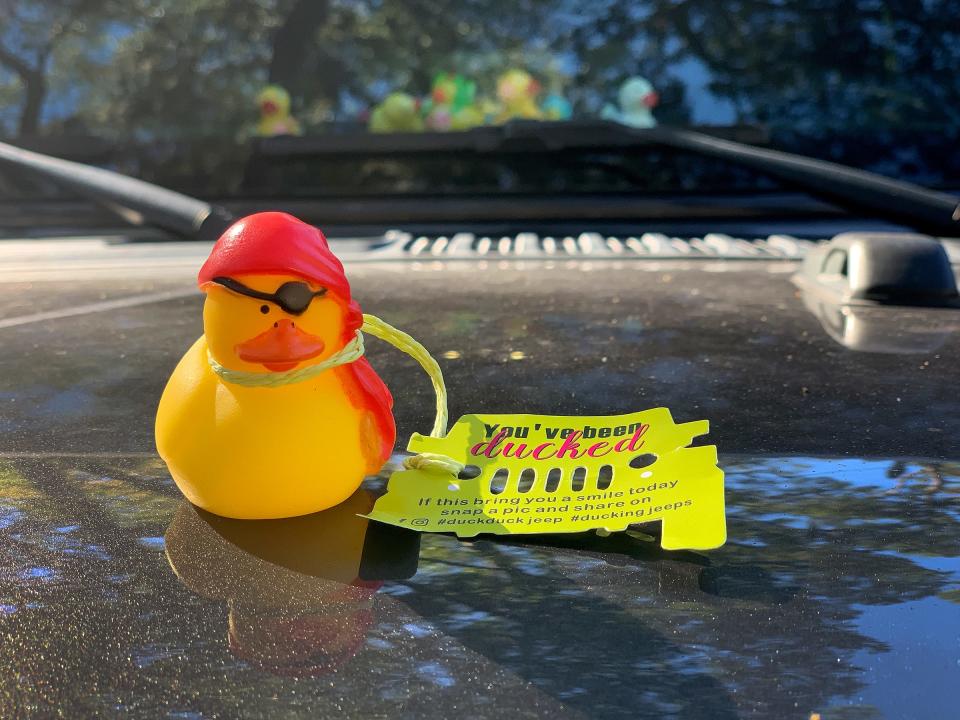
930, 475
769, 614
632, 630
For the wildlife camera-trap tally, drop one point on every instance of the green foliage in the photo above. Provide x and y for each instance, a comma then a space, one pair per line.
185, 68
176, 69
50, 46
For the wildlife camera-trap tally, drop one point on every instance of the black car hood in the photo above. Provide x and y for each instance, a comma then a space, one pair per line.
836, 592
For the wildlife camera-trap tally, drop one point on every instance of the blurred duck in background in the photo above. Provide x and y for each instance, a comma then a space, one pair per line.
275, 119
637, 100
517, 92
399, 112
555, 104
451, 105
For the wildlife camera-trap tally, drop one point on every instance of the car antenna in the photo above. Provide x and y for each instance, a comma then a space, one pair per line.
136, 201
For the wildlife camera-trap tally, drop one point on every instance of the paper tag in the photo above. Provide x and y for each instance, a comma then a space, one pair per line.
555, 474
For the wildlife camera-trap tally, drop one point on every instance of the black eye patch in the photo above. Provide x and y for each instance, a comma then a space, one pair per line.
292, 297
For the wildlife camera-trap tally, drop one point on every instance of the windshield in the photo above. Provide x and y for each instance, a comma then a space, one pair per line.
179, 91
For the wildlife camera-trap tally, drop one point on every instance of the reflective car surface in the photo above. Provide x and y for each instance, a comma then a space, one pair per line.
836, 593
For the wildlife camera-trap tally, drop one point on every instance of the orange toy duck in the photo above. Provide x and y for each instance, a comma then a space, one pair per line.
274, 412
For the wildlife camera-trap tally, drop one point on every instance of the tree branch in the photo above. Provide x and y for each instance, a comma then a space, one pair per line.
18, 65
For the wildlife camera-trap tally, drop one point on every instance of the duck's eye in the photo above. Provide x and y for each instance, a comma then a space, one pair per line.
264, 309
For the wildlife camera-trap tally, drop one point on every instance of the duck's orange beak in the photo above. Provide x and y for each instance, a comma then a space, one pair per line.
281, 347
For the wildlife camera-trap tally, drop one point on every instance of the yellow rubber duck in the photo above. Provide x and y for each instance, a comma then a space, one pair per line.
273, 412
275, 117
517, 92
398, 112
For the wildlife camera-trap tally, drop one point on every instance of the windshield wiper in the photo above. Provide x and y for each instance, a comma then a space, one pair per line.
925, 210
136, 201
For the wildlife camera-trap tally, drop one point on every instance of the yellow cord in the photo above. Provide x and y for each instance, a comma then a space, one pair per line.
433, 462
400, 340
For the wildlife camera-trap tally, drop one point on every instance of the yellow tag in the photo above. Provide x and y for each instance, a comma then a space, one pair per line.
554, 474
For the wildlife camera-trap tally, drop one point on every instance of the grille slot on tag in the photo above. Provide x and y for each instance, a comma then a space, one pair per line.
398, 243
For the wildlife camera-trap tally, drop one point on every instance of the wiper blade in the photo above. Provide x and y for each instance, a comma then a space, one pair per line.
925, 210
928, 211
136, 201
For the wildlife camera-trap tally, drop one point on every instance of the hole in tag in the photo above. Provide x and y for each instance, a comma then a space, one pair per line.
527, 477
579, 477
642, 461
469, 472
553, 480
604, 477
499, 481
